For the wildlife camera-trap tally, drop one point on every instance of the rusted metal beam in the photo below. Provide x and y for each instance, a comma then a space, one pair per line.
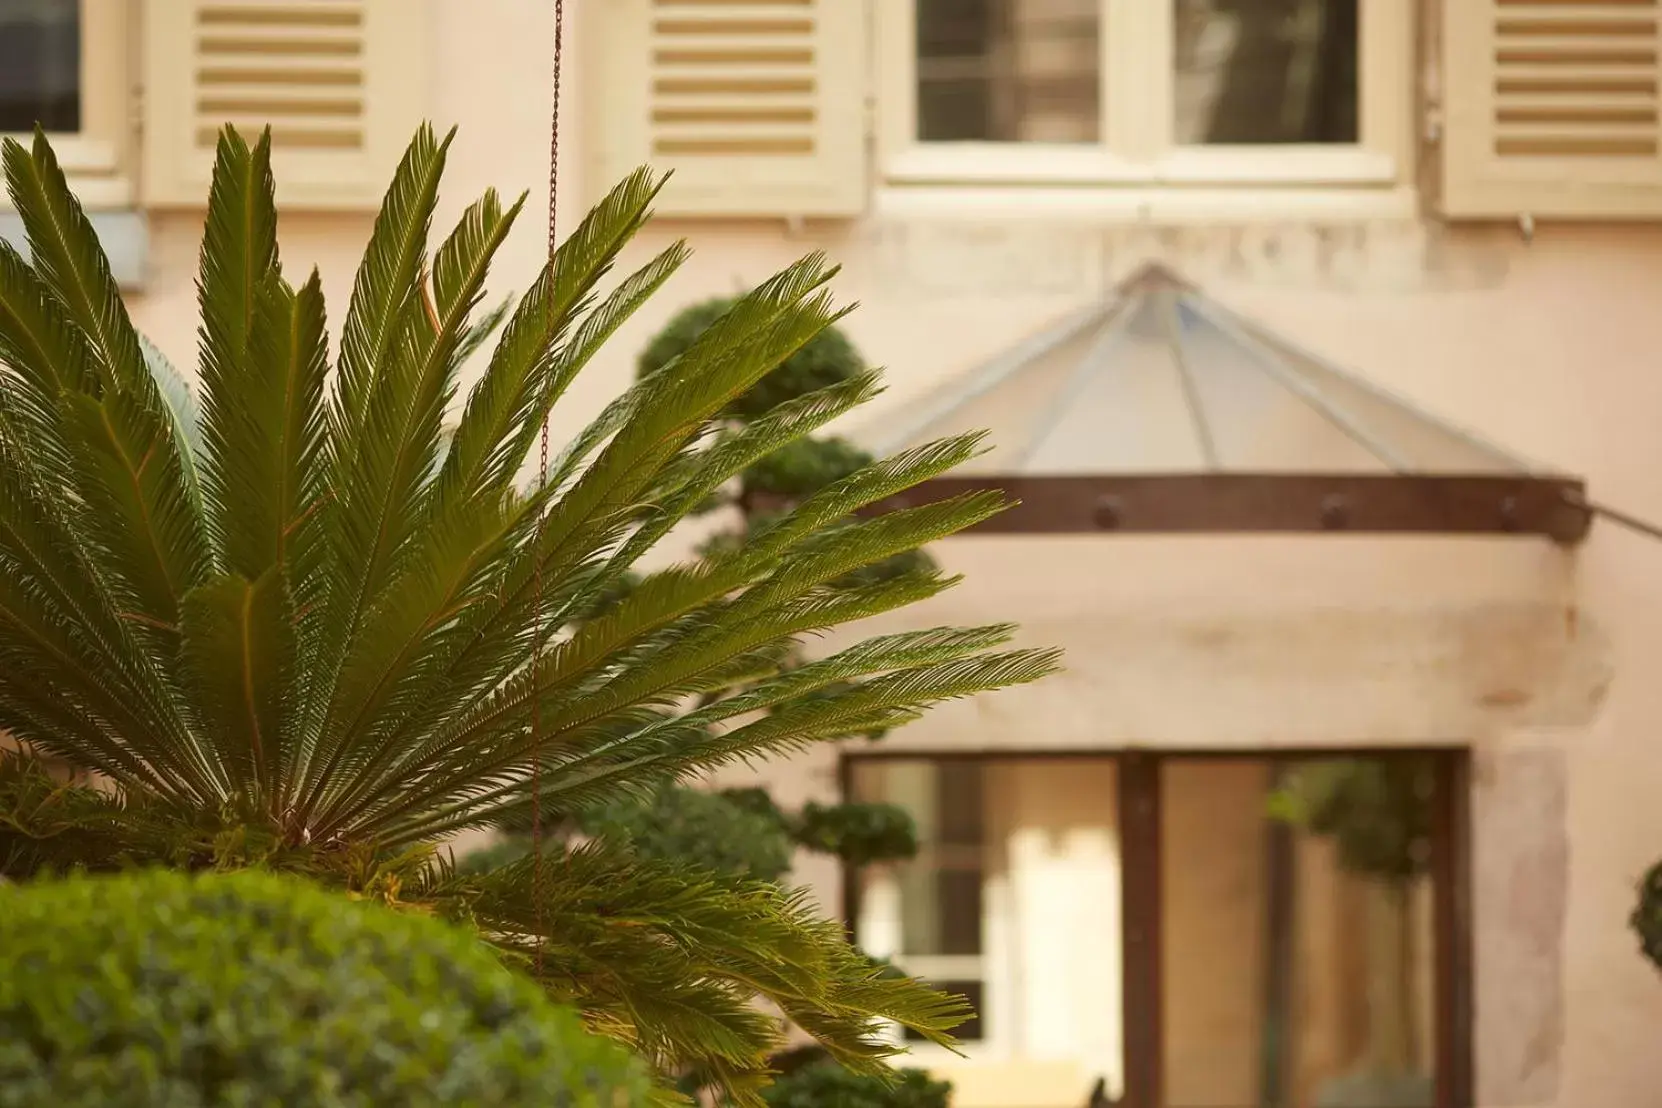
1254, 503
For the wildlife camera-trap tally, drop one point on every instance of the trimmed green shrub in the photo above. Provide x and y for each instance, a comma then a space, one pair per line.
826, 359
170, 990
828, 1085
805, 466
1646, 919
704, 828
860, 834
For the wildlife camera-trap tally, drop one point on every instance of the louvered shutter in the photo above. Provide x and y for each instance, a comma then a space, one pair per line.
1551, 109
340, 82
757, 105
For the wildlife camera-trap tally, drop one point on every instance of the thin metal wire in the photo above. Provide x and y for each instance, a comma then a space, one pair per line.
539, 631
1614, 515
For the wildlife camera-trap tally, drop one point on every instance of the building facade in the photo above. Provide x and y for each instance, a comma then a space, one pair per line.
1457, 201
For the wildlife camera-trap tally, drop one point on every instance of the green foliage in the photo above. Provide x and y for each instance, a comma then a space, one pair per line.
826, 360
162, 989
501, 852
1646, 919
741, 832
859, 834
726, 831
804, 466
1378, 811
642, 934
311, 632
828, 1085
768, 488
45, 820
709, 829
754, 798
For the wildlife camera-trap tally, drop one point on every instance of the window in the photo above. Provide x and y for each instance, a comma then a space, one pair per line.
1160, 91
1191, 931
40, 65
64, 66
1298, 959
1264, 71
937, 897
1007, 70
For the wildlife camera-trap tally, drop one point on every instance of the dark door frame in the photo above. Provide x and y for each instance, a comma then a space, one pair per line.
1140, 820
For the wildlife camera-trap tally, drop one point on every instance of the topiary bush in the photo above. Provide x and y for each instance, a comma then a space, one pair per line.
828, 1085
803, 467
828, 358
162, 989
859, 833
1646, 919
703, 828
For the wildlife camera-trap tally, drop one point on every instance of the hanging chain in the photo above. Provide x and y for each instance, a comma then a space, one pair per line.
539, 629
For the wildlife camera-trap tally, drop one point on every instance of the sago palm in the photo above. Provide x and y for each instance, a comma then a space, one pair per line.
295, 626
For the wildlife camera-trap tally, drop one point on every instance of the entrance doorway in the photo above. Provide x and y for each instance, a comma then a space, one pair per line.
1195, 930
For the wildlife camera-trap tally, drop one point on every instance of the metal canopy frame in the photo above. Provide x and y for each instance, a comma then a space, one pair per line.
1495, 493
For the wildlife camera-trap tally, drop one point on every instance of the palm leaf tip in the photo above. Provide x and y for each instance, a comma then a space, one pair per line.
130, 462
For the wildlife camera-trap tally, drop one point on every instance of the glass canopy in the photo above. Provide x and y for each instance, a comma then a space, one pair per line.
1164, 380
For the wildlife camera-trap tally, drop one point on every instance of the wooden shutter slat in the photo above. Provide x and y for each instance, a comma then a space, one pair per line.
1552, 109
756, 105
341, 84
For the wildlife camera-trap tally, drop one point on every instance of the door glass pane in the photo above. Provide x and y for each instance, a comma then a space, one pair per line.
927, 914
1008, 71
1013, 901
1265, 71
40, 65
1297, 943
960, 816
941, 888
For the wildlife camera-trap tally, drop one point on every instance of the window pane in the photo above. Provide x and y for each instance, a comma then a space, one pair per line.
1008, 71
40, 65
958, 921
1013, 901
939, 891
960, 819
1298, 952
1266, 71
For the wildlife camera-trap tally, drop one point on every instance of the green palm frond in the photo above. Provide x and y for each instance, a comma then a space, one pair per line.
385, 295
484, 329
37, 345
182, 410
45, 820
237, 662
126, 456
290, 621
665, 956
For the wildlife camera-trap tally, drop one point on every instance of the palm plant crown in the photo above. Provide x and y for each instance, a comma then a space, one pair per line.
295, 628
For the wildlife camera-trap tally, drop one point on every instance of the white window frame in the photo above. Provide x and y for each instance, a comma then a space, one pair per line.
941, 969
98, 158
986, 967
1136, 168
